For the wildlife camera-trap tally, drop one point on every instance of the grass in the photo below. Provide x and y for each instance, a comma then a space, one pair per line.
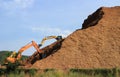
114, 72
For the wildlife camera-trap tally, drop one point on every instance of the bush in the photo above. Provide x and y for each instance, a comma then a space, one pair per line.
11, 67
32, 72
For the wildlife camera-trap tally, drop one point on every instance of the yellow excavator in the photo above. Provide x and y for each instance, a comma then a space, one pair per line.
17, 56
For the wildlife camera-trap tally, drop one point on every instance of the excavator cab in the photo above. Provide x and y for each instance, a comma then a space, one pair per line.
58, 38
12, 58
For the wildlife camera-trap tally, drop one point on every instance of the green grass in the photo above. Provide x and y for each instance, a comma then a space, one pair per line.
114, 72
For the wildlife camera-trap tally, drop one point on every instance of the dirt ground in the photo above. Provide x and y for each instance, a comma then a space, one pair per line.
96, 45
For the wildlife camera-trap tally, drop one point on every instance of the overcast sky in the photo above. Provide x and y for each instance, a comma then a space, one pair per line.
22, 21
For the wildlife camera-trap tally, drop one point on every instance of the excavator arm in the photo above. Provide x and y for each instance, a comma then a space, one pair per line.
18, 55
33, 43
50, 37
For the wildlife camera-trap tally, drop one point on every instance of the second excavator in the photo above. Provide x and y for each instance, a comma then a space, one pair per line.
14, 57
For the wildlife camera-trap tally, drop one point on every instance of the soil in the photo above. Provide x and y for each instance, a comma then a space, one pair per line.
96, 45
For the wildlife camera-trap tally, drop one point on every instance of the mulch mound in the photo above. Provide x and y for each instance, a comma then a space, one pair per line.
96, 45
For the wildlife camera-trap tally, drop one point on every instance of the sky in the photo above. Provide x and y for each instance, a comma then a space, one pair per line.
22, 21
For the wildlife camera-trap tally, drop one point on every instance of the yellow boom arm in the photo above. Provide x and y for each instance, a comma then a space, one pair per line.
50, 37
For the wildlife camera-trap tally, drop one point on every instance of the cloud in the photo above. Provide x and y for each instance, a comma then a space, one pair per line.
16, 8
46, 31
16, 4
